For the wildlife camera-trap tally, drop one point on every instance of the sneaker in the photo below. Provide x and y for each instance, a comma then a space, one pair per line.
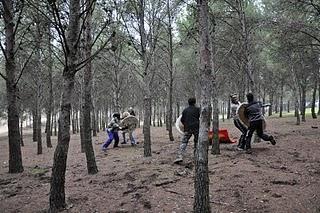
124, 142
239, 148
104, 149
116, 146
178, 160
272, 141
133, 144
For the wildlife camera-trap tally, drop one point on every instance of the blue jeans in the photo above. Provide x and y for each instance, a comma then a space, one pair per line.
112, 135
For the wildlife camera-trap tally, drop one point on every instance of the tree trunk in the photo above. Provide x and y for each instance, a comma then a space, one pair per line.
15, 158
296, 107
48, 128
319, 98
314, 94
55, 124
34, 124
228, 109
21, 129
271, 102
77, 121
39, 136
73, 124
82, 140
281, 101
57, 190
97, 121
222, 110
154, 113
169, 113
158, 114
276, 105
215, 150
87, 79
201, 182
94, 128
146, 125
303, 104
38, 38
288, 106
264, 101
50, 101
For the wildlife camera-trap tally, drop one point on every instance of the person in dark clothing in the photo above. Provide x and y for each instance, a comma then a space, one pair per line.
190, 120
131, 111
235, 103
254, 113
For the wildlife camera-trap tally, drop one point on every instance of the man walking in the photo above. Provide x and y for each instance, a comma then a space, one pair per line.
190, 120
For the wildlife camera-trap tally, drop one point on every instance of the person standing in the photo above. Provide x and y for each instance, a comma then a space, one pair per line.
126, 129
190, 120
235, 103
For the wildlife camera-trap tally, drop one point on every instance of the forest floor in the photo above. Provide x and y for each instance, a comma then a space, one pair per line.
280, 178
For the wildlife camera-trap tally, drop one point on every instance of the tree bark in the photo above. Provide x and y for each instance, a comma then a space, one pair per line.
314, 94
215, 150
201, 182
170, 90
57, 190
34, 124
15, 157
21, 128
303, 104
146, 125
87, 79
281, 101
94, 128
319, 98
154, 113
271, 102
50, 101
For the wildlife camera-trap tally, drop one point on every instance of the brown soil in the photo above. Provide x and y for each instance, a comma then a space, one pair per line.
280, 178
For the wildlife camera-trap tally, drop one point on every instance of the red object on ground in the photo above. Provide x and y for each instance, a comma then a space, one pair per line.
223, 136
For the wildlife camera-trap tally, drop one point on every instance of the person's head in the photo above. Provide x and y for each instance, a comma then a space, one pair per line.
125, 114
192, 101
234, 98
116, 115
250, 97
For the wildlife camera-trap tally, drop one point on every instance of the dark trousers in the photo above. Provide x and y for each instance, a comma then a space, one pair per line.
242, 129
256, 126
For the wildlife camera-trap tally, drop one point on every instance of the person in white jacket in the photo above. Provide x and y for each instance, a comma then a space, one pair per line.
235, 103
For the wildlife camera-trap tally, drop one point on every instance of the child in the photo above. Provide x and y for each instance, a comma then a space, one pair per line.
112, 130
254, 114
234, 107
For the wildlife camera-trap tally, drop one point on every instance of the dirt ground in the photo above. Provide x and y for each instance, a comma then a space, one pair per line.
280, 178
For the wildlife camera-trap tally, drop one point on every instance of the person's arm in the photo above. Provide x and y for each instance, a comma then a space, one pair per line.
265, 105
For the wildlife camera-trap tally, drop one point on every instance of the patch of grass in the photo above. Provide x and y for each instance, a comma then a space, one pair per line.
38, 171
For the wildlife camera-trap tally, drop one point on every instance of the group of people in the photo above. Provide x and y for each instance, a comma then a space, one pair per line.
253, 111
114, 127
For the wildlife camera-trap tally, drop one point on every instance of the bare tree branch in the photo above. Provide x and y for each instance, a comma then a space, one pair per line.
23, 68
